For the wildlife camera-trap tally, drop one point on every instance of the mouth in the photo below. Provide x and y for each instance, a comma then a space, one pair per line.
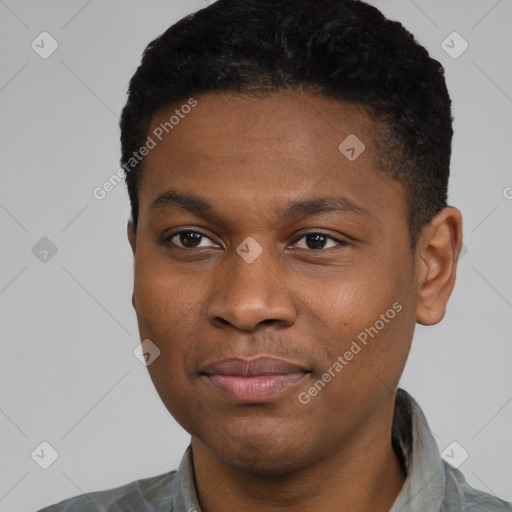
254, 380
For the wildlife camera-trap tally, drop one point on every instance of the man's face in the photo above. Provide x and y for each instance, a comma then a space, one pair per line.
322, 280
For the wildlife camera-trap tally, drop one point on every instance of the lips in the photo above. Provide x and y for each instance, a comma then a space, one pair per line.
254, 380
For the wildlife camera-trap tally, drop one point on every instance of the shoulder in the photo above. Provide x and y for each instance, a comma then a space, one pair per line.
151, 494
458, 491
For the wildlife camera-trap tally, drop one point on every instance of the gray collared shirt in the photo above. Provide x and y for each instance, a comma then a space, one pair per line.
431, 485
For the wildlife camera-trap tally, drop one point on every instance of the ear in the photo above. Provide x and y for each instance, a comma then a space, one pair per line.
437, 254
132, 237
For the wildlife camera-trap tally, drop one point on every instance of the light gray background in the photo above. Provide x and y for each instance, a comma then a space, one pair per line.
68, 330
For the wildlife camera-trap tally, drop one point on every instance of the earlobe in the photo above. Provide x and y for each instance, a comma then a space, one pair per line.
132, 237
437, 254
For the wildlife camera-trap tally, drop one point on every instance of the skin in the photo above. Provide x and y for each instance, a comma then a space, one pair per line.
249, 158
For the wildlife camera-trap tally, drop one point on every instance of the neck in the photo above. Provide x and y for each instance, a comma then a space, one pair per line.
364, 474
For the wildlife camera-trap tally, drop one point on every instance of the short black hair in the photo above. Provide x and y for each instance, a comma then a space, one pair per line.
340, 49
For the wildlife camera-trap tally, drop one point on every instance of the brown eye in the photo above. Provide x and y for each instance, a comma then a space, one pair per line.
317, 241
188, 239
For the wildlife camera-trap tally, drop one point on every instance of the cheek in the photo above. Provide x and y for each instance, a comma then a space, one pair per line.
367, 319
164, 300
354, 300
166, 318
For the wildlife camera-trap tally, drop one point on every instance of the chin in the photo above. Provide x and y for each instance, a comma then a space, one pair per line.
267, 452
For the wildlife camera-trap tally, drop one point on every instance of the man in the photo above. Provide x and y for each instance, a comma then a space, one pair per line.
287, 163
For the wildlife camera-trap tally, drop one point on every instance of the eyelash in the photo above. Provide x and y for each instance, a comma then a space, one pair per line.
342, 243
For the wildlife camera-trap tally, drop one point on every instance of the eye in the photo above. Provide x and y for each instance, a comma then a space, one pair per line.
192, 239
317, 240
188, 239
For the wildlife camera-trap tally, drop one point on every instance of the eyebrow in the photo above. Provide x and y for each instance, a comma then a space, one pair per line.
172, 199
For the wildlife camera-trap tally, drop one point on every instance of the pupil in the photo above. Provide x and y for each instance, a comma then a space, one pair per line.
318, 241
189, 235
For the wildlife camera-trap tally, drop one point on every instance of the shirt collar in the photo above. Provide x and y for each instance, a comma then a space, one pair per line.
183, 486
424, 487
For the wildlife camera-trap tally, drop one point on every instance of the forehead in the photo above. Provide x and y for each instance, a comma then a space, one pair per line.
275, 148
285, 119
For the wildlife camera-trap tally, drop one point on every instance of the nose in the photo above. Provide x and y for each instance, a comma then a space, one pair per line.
249, 294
